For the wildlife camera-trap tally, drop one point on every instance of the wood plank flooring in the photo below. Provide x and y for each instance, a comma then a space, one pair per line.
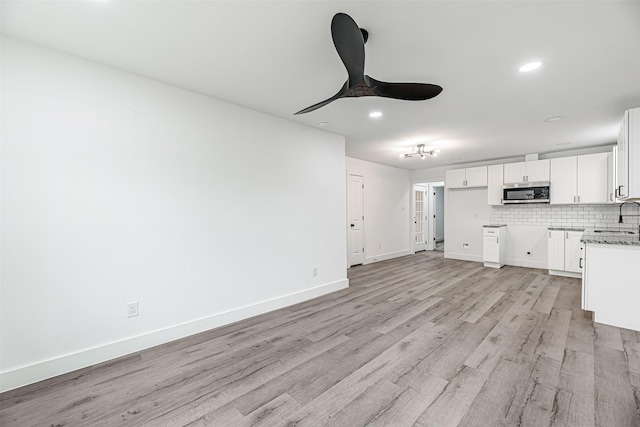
414, 341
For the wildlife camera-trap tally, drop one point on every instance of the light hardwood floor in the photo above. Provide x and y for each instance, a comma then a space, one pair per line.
418, 340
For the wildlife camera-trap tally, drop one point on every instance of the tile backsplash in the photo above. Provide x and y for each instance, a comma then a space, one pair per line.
587, 216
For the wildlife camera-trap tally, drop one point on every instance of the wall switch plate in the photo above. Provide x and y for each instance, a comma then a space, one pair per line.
315, 271
132, 309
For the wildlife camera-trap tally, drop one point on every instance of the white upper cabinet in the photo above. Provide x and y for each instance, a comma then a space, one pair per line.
466, 178
514, 172
533, 171
495, 183
477, 177
563, 185
593, 178
537, 170
581, 179
629, 156
455, 178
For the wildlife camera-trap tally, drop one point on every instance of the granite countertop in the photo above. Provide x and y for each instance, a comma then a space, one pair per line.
565, 229
611, 238
494, 225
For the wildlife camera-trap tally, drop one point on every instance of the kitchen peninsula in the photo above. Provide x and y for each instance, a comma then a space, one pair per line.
611, 283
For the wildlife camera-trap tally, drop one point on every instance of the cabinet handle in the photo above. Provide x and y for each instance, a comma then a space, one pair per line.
549, 234
578, 199
580, 264
497, 240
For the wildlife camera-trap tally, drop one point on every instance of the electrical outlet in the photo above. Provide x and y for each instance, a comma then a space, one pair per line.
132, 309
465, 246
315, 271
529, 253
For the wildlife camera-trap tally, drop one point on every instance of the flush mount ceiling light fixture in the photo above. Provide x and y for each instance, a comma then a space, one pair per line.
375, 114
420, 150
530, 66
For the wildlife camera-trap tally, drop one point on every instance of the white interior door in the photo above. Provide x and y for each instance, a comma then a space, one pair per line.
355, 226
420, 220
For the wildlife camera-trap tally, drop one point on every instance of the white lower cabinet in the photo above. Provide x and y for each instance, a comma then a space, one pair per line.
494, 250
565, 253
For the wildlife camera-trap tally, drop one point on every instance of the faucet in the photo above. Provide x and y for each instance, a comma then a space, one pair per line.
620, 221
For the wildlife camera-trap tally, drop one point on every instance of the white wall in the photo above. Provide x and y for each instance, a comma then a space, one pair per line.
466, 212
117, 188
387, 198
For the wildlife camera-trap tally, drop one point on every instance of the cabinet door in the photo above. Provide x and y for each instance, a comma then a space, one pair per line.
633, 153
593, 172
491, 249
494, 184
556, 250
537, 170
476, 177
573, 251
563, 183
612, 177
455, 178
623, 159
514, 172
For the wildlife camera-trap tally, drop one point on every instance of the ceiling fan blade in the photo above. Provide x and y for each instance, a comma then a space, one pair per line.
406, 91
341, 92
349, 42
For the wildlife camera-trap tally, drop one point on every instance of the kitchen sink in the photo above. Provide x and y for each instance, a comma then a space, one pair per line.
615, 232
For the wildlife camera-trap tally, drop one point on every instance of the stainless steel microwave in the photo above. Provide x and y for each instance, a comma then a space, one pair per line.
525, 192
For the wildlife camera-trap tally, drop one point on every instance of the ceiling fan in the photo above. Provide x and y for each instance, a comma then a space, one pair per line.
349, 41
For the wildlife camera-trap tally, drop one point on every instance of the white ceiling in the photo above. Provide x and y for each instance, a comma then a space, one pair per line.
278, 57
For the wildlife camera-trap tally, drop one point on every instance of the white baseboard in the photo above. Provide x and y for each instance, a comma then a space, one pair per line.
565, 274
70, 362
524, 262
390, 255
463, 256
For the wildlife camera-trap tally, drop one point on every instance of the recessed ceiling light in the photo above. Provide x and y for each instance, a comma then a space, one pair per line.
554, 119
323, 124
530, 66
375, 114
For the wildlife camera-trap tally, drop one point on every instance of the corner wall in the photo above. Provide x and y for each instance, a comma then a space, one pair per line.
117, 188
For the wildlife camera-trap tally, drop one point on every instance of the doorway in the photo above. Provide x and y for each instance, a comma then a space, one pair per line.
438, 216
428, 216
355, 216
